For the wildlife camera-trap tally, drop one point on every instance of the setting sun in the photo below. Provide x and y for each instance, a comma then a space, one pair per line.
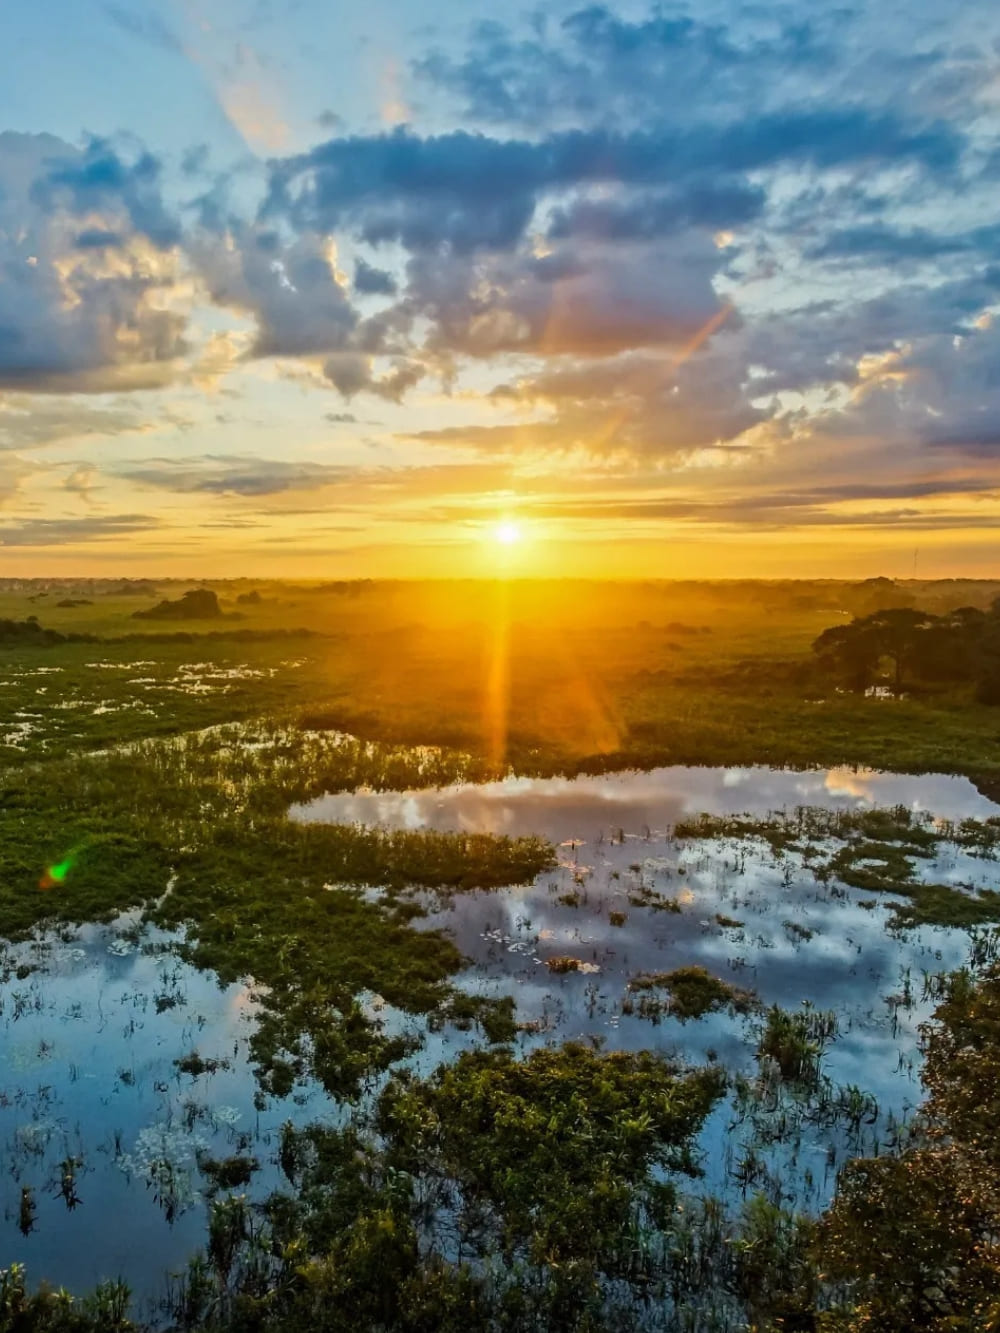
507, 533
500, 555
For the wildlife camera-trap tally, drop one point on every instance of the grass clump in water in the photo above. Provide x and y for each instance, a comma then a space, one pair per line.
795, 1041
228, 1173
694, 992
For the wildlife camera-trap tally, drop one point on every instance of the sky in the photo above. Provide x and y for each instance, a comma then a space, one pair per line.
299, 289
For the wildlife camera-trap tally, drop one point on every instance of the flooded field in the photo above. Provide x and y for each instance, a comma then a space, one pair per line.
631, 900
124, 1078
128, 1098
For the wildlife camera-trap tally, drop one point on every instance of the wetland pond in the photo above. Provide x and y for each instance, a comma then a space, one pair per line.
107, 1119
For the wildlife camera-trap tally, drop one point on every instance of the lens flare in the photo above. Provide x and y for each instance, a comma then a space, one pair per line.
56, 874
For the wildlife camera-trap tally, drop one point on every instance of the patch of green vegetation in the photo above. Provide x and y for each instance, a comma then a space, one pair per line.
799, 829
495, 1017
644, 895
228, 1173
46, 1310
200, 836
553, 1157
887, 868
945, 905
694, 992
795, 1041
876, 854
196, 1065
874, 866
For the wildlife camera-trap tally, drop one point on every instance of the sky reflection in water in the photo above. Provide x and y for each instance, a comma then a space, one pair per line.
89, 1039
850, 962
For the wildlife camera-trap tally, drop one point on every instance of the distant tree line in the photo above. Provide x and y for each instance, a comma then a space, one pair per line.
917, 646
30, 634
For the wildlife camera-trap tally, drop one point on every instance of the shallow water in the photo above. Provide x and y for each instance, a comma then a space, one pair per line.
87, 1049
89, 1038
560, 808
800, 941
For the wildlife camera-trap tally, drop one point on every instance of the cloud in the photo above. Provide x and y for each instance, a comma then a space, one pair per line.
646, 216
215, 474
352, 373
878, 240
27, 423
81, 481
600, 67
292, 288
70, 531
146, 27
87, 318
98, 179
472, 191
373, 281
940, 392
13, 472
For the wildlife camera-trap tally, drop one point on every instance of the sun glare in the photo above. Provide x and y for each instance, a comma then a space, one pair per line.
507, 533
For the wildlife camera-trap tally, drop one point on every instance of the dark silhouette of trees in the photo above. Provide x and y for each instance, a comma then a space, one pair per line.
198, 604
961, 645
851, 651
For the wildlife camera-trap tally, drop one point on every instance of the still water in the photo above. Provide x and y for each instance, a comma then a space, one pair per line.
783, 934
88, 1044
90, 1035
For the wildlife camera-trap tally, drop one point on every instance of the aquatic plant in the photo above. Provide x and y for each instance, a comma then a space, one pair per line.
694, 992
795, 1041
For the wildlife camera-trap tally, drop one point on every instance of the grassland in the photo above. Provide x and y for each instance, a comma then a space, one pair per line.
546, 675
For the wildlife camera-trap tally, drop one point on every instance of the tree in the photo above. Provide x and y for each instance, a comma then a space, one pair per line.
916, 1238
899, 633
855, 650
852, 651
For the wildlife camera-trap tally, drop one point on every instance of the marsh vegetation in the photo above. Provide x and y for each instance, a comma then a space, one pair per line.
394, 1030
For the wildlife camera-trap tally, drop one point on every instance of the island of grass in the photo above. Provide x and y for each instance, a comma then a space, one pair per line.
876, 852
694, 992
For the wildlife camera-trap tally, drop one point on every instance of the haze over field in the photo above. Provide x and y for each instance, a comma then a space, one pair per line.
363, 289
